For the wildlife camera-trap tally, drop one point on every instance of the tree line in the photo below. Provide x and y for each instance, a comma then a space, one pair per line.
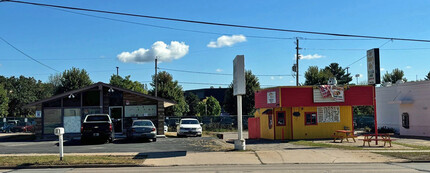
15, 92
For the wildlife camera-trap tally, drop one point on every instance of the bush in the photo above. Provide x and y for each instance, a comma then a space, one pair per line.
385, 129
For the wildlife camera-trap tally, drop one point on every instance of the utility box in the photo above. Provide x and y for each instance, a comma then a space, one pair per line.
59, 131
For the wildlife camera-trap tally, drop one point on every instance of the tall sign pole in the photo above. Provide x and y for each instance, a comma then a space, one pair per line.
373, 78
239, 89
155, 76
297, 61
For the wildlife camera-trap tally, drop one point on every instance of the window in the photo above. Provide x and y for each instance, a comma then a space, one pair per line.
91, 98
280, 118
270, 121
97, 118
72, 120
405, 120
51, 120
311, 118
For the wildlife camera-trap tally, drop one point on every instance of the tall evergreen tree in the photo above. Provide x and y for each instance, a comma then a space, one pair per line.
193, 102
126, 83
394, 76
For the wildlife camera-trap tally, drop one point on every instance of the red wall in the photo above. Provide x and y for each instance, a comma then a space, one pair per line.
303, 96
253, 128
261, 98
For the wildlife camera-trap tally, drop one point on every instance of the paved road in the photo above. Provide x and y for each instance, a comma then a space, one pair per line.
401, 167
195, 144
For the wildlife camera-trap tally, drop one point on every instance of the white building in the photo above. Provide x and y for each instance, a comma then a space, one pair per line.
405, 107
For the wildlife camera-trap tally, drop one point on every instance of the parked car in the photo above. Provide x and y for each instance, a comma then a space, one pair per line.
23, 128
189, 127
7, 128
142, 129
97, 127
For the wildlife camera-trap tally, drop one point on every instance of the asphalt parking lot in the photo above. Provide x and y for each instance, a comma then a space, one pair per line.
190, 144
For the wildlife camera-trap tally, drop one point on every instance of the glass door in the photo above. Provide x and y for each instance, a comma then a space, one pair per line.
116, 116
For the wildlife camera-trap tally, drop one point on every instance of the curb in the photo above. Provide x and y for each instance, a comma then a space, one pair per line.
71, 166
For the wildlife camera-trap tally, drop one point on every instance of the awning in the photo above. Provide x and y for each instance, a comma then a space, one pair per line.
268, 111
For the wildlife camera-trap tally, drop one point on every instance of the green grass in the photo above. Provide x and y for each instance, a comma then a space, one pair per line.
412, 156
324, 145
15, 161
416, 147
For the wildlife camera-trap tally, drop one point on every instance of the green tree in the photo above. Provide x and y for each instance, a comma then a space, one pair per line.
339, 73
209, 106
22, 91
73, 79
126, 83
4, 102
169, 89
394, 76
192, 101
230, 101
315, 76
428, 76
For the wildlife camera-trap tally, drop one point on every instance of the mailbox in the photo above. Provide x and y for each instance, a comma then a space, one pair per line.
59, 131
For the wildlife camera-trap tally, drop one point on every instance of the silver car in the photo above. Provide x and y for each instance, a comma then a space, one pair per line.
142, 129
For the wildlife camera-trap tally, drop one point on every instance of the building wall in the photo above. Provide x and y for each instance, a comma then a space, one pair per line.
265, 131
283, 132
321, 130
418, 109
386, 111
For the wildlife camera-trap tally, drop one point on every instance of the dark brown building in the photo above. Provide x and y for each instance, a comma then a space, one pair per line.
69, 109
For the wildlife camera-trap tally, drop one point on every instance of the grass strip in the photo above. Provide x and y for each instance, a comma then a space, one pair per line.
324, 145
412, 156
416, 147
50, 160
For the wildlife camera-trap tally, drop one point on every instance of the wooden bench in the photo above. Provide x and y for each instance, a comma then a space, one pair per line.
341, 137
384, 139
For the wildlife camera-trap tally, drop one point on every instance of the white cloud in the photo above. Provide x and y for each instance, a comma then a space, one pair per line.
360, 75
310, 56
272, 77
280, 77
219, 70
291, 81
164, 52
227, 41
408, 67
382, 69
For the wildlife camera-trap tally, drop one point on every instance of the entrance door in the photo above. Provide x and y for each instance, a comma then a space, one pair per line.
116, 116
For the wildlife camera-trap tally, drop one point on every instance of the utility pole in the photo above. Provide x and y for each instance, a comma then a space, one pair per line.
117, 71
348, 73
156, 81
297, 61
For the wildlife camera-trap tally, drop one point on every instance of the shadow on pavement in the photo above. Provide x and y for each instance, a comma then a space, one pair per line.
157, 155
304, 148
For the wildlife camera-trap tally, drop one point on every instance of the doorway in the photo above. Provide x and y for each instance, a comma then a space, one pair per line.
115, 113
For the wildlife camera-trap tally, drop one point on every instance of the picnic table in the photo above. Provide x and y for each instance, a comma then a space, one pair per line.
385, 137
343, 134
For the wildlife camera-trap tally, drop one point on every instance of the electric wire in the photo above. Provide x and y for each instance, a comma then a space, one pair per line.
220, 24
366, 55
222, 74
28, 56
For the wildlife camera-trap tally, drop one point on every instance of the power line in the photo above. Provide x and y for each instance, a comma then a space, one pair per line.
221, 74
27, 55
219, 24
200, 83
366, 55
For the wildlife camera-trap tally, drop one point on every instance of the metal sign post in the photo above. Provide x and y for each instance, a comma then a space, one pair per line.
59, 131
239, 89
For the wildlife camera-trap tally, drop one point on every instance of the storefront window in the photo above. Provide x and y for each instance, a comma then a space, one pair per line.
405, 120
86, 111
270, 121
311, 118
280, 118
91, 98
51, 120
72, 120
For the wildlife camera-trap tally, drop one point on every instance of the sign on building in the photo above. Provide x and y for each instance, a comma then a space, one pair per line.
373, 67
271, 97
328, 94
38, 114
328, 114
239, 75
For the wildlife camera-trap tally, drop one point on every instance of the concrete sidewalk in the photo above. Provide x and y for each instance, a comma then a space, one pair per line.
252, 157
273, 157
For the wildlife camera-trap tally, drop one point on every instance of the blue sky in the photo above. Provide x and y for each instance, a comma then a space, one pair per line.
63, 40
